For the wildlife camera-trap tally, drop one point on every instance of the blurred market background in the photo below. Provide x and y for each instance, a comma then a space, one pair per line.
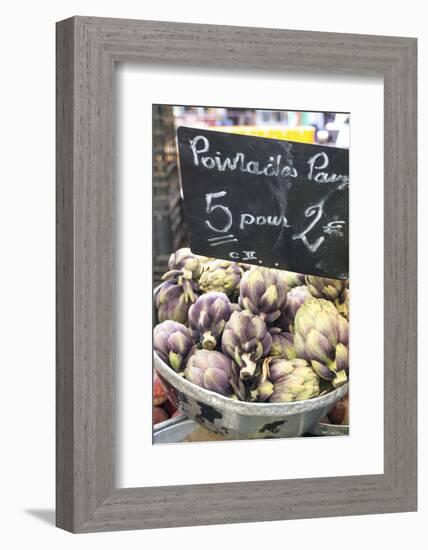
169, 227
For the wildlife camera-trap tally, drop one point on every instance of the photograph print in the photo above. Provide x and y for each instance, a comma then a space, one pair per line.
250, 274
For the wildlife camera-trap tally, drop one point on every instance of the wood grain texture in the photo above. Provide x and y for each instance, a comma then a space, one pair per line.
87, 49
64, 278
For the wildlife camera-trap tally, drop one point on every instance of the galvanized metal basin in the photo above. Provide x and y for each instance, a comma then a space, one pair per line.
242, 420
323, 428
238, 419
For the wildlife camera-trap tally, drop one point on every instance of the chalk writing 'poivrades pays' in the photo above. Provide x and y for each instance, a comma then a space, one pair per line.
274, 167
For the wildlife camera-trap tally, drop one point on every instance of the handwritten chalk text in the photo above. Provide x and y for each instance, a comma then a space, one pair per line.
249, 219
317, 165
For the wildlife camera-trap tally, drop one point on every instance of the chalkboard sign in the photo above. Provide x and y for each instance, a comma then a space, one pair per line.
266, 202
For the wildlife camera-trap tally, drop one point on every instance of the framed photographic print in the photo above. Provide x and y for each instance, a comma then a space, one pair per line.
236, 274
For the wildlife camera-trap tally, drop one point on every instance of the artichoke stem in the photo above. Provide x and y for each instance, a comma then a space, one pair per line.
208, 341
340, 379
187, 274
188, 291
238, 393
249, 369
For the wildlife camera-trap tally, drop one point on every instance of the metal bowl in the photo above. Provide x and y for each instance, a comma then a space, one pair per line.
173, 430
238, 419
322, 428
243, 420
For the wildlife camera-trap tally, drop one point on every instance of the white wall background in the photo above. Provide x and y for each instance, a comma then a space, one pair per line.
27, 270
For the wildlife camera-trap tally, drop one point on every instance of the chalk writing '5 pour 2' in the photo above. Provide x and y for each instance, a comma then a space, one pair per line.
332, 228
274, 167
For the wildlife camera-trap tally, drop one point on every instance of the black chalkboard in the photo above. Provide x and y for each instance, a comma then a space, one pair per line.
267, 202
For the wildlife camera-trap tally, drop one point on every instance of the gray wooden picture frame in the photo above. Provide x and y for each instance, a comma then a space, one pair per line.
87, 50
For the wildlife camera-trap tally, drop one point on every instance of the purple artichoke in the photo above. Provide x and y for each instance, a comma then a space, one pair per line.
185, 270
263, 292
174, 300
173, 342
210, 370
190, 265
321, 337
246, 340
207, 317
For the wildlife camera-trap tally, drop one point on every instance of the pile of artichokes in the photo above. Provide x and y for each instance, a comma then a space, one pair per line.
252, 333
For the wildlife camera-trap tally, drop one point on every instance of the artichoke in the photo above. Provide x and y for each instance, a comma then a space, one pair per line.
295, 298
246, 340
185, 269
343, 307
210, 370
173, 342
282, 344
207, 317
321, 337
329, 289
174, 300
284, 381
263, 292
187, 263
294, 279
221, 276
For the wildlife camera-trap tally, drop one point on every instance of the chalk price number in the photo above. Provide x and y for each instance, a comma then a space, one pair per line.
314, 211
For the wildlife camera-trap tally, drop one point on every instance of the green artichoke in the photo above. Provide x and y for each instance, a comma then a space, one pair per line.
283, 381
174, 300
173, 342
220, 276
210, 370
321, 337
343, 307
208, 316
263, 292
294, 279
246, 340
329, 289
